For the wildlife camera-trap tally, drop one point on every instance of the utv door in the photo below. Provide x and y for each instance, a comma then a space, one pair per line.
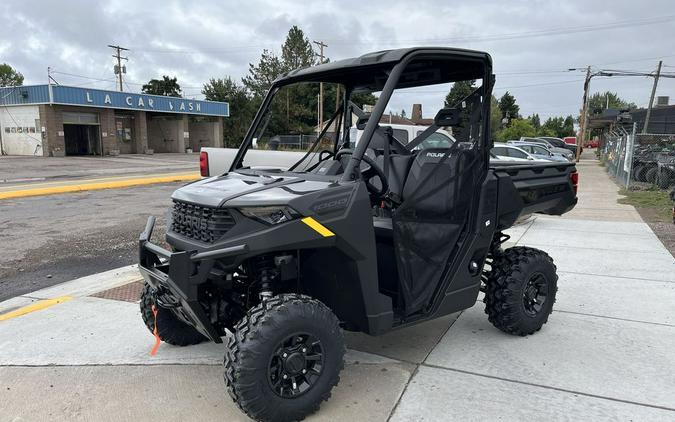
433, 219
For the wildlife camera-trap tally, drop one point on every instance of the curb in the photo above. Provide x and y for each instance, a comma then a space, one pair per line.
80, 287
94, 185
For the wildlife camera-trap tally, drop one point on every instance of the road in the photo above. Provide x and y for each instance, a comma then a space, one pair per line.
19, 169
47, 240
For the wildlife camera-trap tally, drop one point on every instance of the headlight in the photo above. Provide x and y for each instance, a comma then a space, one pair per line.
271, 215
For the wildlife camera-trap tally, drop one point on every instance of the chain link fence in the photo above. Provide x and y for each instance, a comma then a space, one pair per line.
639, 160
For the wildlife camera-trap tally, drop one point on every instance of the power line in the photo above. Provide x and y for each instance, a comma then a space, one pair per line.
465, 39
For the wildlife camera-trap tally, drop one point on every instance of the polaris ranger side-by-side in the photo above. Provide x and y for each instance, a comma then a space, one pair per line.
365, 235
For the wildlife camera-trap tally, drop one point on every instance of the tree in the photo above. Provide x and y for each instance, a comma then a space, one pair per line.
260, 76
600, 100
508, 106
363, 98
568, 127
517, 128
495, 117
535, 121
242, 108
166, 86
9, 76
297, 51
459, 91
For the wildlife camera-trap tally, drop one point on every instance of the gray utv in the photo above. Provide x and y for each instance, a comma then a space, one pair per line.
365, 232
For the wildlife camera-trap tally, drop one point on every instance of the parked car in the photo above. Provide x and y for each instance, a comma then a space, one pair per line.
539, 151
406, 133
500, 159
559, 143
564, 151
592, 143
505, 151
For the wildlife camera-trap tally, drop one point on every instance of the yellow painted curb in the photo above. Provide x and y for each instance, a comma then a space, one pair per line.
37, 306
114, 184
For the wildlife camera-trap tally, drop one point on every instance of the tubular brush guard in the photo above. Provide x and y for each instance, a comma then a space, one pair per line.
177, 275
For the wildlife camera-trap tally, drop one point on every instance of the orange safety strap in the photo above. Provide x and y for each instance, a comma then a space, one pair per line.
153, 352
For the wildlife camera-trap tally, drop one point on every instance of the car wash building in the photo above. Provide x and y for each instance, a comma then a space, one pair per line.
57, 120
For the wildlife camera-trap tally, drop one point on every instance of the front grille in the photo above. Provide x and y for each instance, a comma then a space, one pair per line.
206, 224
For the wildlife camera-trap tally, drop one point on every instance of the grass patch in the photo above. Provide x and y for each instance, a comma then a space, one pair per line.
656, 202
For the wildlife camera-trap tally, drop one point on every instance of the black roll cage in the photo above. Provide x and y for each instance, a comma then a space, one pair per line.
392, 81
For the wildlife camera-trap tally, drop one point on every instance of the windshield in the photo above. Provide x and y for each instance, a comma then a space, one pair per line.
299, 122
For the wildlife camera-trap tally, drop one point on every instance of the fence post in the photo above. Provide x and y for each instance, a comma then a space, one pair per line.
630, 148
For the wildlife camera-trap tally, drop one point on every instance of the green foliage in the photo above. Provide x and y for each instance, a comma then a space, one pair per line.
535, 121
508, 106
599, 101
166, 86
495, 118
297, 50
261, 75
517, 128
242, 108
459, 91
363, 98
9, 76
558, 127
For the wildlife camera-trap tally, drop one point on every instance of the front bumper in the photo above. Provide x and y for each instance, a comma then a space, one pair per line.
176, 276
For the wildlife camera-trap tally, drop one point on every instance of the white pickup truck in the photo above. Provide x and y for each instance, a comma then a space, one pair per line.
216, 161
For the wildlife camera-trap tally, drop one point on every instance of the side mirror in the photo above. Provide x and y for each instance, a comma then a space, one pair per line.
448, 117
530, 157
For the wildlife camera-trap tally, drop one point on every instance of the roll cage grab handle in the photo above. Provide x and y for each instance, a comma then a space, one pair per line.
355, 160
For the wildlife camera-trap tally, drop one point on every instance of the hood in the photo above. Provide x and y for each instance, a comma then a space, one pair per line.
235, 189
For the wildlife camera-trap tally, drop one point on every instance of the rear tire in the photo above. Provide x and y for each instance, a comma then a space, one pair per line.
169, 328
650, 175
520, 290
284, 358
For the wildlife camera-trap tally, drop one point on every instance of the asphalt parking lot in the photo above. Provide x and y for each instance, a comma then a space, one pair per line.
605, 354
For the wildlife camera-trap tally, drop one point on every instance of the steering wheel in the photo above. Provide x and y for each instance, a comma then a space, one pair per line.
372, 170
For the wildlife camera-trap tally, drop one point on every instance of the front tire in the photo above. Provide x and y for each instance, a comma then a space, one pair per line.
169, 328
520, 290
284, 358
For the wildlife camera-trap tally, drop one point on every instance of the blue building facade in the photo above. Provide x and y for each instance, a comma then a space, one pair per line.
57, 120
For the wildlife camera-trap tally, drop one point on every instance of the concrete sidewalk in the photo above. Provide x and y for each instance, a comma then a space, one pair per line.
605, 354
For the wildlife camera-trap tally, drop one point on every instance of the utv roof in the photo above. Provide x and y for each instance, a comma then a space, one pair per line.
465, 64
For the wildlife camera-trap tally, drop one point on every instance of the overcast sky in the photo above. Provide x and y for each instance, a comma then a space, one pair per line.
532, 43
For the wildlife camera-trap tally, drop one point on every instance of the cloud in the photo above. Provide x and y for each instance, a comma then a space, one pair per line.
530, 41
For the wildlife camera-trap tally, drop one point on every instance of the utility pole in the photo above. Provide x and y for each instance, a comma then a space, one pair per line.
584, 112
651, 98
321, 58
118, 56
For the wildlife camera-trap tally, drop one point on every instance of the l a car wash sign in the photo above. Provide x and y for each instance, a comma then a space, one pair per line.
143, 102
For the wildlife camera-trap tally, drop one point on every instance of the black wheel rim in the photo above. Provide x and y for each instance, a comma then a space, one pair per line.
535, 294
296, 365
